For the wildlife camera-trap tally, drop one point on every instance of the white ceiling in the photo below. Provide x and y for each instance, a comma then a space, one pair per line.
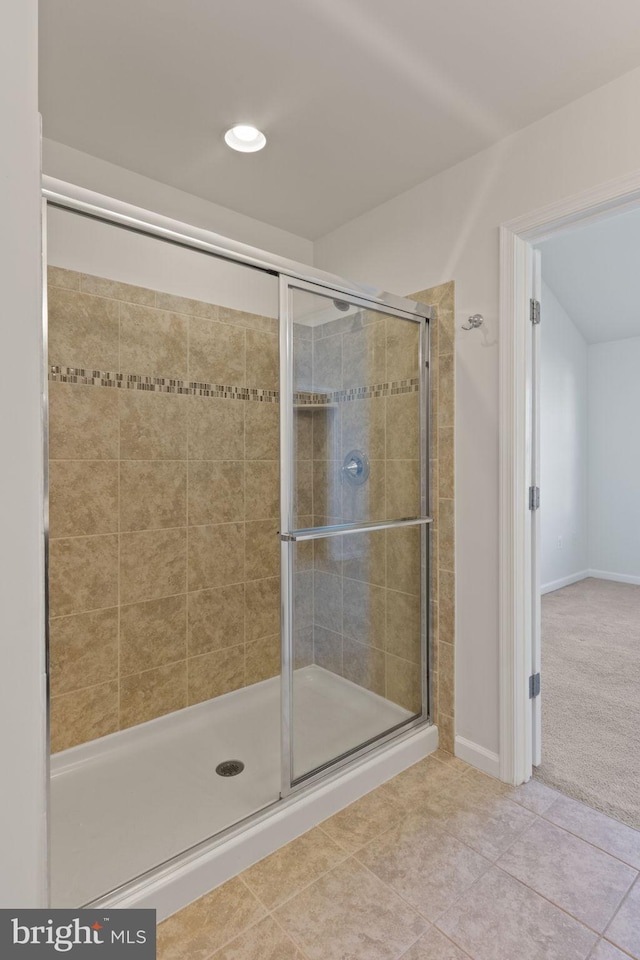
594, 271
359, 99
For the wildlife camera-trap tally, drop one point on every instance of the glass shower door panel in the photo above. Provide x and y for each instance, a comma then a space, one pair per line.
357, 641
355, 536
356, 404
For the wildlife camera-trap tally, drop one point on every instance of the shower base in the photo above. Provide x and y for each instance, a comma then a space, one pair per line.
125, 803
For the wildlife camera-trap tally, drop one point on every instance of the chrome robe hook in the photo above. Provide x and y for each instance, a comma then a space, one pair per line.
474, 322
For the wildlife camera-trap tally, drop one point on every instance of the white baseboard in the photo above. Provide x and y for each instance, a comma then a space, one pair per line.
596, 574
566, 581
478, 756
618, 577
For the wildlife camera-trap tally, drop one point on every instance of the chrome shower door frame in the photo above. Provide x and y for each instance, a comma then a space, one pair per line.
67, 196
289, 536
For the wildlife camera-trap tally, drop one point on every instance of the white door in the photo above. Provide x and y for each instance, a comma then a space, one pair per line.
536, 604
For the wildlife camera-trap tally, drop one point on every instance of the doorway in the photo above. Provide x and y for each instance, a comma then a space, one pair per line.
589, 516
522, 683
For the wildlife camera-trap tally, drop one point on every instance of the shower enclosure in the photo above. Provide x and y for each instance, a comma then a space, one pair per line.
238, 536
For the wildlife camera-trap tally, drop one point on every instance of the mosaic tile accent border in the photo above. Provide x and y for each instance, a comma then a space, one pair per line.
132, 381
393, 388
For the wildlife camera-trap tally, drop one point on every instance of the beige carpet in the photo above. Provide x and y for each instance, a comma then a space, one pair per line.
591, 695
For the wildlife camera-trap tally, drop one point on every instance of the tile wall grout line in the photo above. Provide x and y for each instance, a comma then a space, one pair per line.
186, 571
119, 714
90, 686
245, 328
193, 526
244, 515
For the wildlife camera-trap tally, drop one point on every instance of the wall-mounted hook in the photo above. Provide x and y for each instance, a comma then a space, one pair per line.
474, 322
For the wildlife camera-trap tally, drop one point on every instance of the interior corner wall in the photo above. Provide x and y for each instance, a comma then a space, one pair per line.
448, 228
614, 460
564, 432
74, 166
22, 646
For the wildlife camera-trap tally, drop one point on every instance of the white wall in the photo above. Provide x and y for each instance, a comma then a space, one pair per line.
590, 453
614, 459
563, 446
22, 677
447, 228
79, 168
106, 250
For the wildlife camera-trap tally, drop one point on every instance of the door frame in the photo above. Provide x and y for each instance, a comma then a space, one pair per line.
518, 555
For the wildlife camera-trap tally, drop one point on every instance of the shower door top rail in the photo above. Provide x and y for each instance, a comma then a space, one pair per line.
59, 193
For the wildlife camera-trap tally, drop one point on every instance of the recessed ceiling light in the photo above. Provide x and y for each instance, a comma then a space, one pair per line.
245, 138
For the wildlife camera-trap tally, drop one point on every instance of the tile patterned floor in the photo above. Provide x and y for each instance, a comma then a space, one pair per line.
440, 863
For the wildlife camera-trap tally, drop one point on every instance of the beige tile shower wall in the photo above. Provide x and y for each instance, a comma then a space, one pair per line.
164, 562
367, 586
442, 298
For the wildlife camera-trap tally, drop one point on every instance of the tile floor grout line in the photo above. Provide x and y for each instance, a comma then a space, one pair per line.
599, 935
622, 902
289, 936
335, 867
301, 889
583, 923
445, 829
412, 906
515, 840
595, 846
591, 953
496, 864
433, 823
527, 829
543, 815
241, 933
403, 815
353, 853
603, 939
591, 842
446, 937
617, 947
250, 926
450, 907
489, 865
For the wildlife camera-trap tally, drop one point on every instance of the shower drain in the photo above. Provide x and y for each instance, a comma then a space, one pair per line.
230, 768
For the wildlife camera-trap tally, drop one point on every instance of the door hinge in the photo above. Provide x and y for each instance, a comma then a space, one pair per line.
534, 498
534, 310
534, 685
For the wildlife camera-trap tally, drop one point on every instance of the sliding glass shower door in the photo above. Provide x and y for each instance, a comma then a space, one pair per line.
178, 708
354, 525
